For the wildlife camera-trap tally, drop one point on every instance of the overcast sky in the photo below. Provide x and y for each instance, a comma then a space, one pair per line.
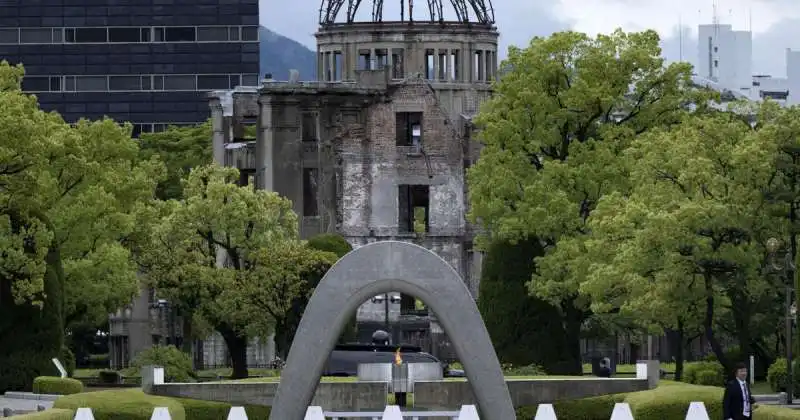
775, 23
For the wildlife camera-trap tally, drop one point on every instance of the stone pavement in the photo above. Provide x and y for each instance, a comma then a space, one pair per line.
21, 406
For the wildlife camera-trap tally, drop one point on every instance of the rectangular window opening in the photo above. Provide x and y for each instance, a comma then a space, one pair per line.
409, 129
455, 62
364, 60
414, 209
310, 192
381, 59
430, 60
309, 127
398, 68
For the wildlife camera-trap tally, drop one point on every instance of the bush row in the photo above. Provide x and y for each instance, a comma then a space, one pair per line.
669, 401
133, 404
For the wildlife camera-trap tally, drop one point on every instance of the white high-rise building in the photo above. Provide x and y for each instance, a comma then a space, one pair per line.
725, 56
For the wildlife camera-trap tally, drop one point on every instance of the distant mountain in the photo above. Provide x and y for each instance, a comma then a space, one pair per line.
280, 54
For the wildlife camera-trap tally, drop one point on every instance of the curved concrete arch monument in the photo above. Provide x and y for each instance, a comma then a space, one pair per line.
382, 267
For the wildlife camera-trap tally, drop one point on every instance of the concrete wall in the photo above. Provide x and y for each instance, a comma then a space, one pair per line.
333, 396
524, 392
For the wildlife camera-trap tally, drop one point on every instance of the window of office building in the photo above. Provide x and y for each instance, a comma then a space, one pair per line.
179, 82
250, 33
124, 83
124, 34
212, 33
35, 35
36, 83
249, 80
234, 80
174, 34
91, 83
212, 82
86, 35
234, 33
9, 36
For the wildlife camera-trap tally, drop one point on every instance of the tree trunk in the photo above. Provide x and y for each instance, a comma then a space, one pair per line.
741, 321
678, 349
708, 324
187, 336
282, 338
572, 339
237, 348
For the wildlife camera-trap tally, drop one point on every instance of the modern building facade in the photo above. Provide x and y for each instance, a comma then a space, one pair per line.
148, 62
725, 56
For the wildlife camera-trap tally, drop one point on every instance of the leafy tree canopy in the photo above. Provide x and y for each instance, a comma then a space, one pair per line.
74, 188
553, 133
231, 255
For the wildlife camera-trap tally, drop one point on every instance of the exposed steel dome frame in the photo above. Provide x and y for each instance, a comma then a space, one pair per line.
466, 11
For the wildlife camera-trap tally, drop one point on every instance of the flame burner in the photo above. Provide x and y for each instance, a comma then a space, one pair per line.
466, 11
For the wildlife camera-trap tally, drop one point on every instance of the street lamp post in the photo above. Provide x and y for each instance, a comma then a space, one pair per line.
787, 266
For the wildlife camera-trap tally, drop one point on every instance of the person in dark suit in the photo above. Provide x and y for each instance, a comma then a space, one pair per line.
738, 402
604, 371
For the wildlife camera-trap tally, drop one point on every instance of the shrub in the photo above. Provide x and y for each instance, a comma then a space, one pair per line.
56, 385
109, 377
51, 414
330, 242
704, 373
128, 404
177, 364
672, 402
509, 311
776, 375
67, 359
530, 370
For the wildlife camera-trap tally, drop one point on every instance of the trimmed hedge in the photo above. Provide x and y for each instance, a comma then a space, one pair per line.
210, 410
595, 408
56, 385
670, 401
51, 414
128, 404
770, 412
133, 404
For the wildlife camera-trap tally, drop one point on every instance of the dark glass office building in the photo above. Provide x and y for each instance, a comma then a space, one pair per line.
149, 62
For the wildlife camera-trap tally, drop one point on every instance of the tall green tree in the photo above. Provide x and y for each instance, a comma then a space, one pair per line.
67, 195
688, 239
232, 255
784, 192
552, 135
525, 330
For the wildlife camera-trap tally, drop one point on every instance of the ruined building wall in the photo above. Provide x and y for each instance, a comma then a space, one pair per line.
374, 168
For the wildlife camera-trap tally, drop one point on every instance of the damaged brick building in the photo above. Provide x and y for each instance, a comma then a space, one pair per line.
377, 149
